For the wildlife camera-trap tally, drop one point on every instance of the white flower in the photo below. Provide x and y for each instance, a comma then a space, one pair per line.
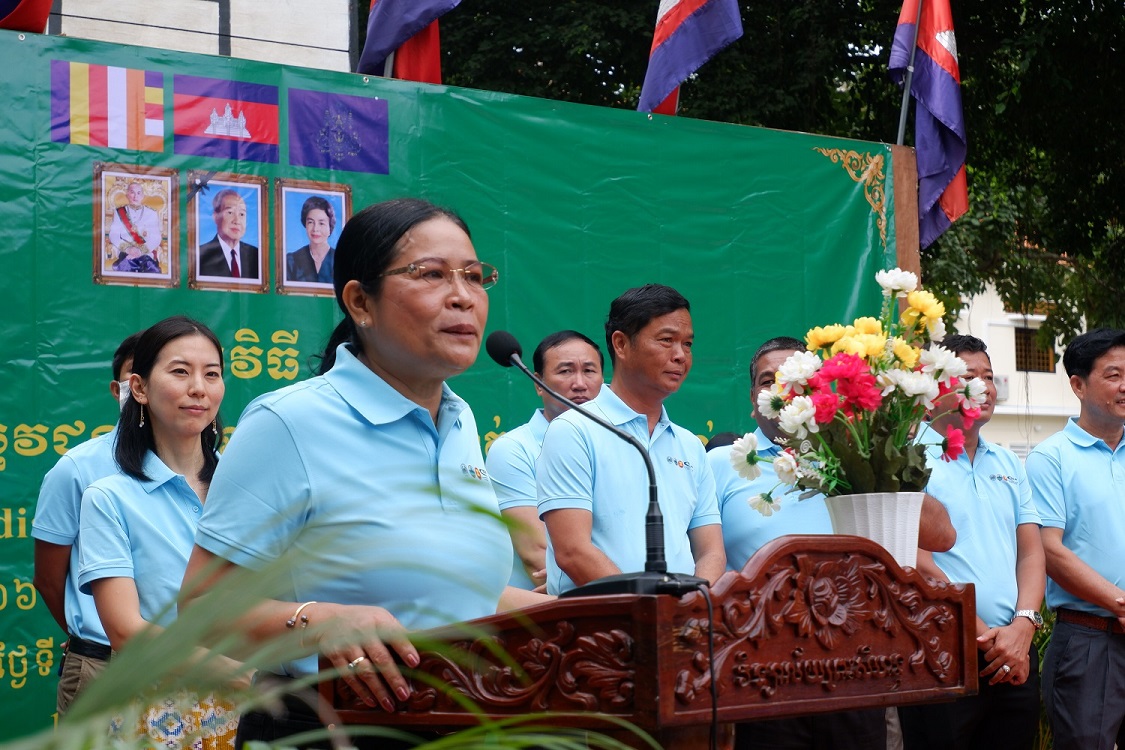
942, 364
896, 282
764, 504
794, 373
920, 386
936, 329
744, 457
770, 401
975, 392
785, 465
798, 418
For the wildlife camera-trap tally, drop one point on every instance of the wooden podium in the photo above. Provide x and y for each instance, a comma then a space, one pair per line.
811, 624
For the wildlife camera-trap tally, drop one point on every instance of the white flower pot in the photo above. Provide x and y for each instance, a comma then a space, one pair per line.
889, 518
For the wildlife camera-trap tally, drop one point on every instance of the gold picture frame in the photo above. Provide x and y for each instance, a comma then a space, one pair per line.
296, 268
209, 266
136, 225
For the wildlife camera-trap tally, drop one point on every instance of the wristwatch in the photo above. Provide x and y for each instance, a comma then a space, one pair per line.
1031, 614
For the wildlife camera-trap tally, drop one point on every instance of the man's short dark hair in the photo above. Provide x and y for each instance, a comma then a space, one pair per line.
1084, 350
962, 343
124, 351
633, 310
556, 339
776, 344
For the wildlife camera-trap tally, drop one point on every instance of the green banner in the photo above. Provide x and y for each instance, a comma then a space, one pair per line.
765, 232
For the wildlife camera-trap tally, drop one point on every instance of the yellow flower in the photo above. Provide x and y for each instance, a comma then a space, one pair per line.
926, 305
861, 345
821, 338
905, 353
868, 325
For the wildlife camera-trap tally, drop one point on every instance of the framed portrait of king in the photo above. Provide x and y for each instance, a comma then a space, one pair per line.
136, 225
227, 232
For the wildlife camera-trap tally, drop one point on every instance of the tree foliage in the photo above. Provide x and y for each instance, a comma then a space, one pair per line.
1043, 86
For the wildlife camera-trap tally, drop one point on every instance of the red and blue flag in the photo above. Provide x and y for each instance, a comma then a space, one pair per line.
394, 23
939, 123
224, 119
688, 34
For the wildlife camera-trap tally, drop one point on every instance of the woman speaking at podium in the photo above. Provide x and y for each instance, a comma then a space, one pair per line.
367, 483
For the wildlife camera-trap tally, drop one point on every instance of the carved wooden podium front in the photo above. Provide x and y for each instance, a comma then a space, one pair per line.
811, 624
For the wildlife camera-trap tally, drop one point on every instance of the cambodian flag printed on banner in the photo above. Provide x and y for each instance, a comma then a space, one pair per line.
334, 131
100, 105
939, 124
688, 34
224, 119
391, 23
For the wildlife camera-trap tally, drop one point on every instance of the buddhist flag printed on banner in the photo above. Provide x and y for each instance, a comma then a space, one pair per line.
939, 124
99, 105
334, 131
688, 34
224, 119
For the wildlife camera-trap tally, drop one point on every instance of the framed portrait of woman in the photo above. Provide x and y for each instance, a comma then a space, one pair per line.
136, 223
309, 218
227, 232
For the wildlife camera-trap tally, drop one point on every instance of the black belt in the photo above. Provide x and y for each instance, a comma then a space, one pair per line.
89, 649
1087, 620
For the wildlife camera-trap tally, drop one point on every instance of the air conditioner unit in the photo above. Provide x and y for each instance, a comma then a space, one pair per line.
1001, 382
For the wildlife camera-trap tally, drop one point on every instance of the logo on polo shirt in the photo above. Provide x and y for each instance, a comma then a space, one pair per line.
474, 472
1004, 478
680, 463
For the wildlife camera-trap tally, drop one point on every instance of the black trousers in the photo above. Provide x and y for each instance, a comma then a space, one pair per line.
845, 730
297, 716
998, 717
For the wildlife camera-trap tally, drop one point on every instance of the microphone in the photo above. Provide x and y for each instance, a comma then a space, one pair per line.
505, 350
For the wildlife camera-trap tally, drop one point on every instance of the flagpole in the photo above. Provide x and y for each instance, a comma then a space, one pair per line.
909, 77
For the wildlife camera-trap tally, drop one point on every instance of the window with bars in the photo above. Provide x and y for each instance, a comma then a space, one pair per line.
1030, 357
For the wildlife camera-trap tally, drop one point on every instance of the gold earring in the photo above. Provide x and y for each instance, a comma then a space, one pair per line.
142, 424
215, 426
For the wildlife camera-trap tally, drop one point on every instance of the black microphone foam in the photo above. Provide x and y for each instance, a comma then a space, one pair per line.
501, 345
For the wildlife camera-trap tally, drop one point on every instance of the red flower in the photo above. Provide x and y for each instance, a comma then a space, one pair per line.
854, 382
827, 404
969, 414
954, 444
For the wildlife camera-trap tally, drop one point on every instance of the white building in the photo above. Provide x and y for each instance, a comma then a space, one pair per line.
1034, 396
290, 32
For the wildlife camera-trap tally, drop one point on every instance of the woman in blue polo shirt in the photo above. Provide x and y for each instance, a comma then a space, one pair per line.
137, 526
375, 502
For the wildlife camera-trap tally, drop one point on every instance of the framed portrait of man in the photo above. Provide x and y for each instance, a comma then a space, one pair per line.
136, 225
227, 232
309, 217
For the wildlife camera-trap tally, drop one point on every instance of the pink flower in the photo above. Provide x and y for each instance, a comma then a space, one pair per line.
954, 444
827, 404
969, 414
854, 382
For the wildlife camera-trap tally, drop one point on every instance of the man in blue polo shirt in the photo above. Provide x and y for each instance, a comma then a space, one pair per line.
55, 530
593, 487
1078, 482
999, 551
571, 364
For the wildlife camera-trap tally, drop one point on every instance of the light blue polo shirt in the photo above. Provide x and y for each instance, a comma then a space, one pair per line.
1078, 484
511, 465
986, 500
56, 522
361, 499
585, 466
140, 530
745, 530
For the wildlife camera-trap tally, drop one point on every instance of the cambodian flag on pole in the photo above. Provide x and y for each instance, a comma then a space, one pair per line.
402, 39
939, 124
688, 34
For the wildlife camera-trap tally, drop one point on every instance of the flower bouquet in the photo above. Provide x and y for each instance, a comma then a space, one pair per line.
850, 407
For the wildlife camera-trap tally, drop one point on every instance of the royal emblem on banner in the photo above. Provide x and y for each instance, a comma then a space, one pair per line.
338, 139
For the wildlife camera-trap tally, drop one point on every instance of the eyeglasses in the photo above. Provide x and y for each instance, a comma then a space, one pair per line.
433, 271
